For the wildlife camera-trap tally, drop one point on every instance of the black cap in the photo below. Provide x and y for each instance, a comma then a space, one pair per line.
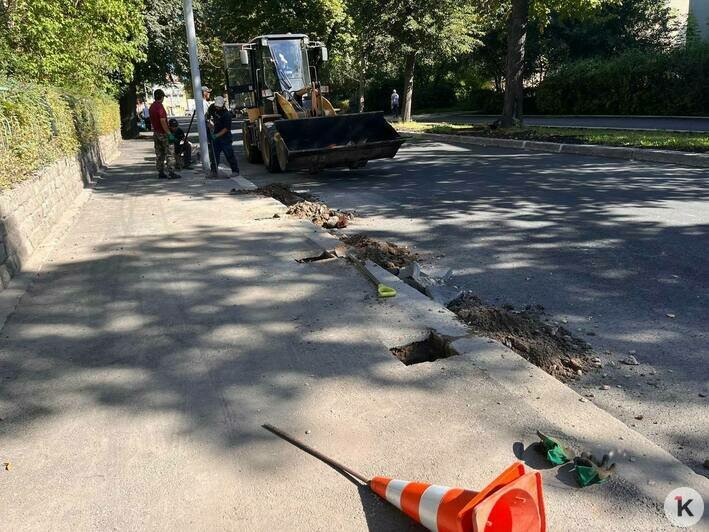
173, 122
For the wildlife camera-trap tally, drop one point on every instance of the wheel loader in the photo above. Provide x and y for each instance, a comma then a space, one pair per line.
289, 123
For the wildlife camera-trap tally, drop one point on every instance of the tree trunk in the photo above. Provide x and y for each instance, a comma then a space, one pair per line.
129, 119
514, 86
360, 92
409, 66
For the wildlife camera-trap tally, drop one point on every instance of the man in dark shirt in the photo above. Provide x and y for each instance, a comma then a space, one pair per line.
183, 148
163, 140
221, 138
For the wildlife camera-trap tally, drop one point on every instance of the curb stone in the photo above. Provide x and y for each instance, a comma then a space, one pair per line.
243, 183
700, 160
542, 146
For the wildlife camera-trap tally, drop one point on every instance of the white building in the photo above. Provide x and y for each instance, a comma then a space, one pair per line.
698, 10
175, 103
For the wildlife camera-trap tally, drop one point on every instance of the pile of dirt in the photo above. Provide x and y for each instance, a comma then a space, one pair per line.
284, 194
320, 214
552, 348
385, 254
303, 205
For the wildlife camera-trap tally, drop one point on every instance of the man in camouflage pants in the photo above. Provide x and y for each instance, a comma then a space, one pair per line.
163, 139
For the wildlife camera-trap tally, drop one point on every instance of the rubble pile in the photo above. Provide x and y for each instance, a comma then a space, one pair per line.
387, 255
552, 348
320, 214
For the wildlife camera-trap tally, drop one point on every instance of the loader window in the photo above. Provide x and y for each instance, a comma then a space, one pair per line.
291, 63
239, 83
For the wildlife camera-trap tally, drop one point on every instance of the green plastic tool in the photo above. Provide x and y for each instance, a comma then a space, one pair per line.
383, 290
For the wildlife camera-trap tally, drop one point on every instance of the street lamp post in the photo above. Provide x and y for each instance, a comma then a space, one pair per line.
196, 85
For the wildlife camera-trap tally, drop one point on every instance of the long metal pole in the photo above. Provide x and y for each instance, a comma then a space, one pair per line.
196, 85
317, 454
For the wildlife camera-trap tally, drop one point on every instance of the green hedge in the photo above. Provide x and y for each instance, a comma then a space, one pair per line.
40, 124
635, 83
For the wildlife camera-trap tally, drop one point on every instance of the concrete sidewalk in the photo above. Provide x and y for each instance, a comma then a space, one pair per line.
172, 320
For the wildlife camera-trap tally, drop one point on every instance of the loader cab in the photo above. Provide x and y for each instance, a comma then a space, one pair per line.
256, 70
286, 64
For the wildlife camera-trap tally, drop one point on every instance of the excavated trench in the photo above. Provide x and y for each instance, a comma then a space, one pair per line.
389, 256
303, 205
317, 258
432, 348
548, 346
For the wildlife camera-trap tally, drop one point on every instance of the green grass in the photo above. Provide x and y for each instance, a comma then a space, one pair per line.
426, 127
661, 140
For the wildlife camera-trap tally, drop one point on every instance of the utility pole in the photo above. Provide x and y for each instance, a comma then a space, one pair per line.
196, 85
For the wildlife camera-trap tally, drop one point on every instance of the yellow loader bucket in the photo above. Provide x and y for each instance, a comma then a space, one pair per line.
348, 140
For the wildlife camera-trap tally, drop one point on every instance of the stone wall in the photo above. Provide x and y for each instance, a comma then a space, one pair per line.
30, 210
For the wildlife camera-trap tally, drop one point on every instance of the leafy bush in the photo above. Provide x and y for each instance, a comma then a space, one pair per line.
637, 82
344, 105
40, 124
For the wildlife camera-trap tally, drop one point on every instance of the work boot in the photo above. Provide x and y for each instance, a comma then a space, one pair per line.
162, 175
173, 175
235, 173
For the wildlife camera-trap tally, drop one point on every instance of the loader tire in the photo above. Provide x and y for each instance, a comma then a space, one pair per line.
253, 154
268, 151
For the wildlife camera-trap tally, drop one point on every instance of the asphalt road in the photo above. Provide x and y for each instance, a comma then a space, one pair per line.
617, 249
614, 122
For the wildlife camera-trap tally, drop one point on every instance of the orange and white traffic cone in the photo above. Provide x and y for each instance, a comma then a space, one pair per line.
513, 502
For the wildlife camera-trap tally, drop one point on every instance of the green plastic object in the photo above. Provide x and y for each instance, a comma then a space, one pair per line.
171, 137
557, 453
587, 475
590, 471
385, 291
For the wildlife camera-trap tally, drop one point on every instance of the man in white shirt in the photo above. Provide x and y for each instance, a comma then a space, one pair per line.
395, 103
206, 93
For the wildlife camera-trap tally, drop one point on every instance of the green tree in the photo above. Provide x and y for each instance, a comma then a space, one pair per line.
608, 30
164, 59
84, 45
363, 45
519, 12
425, 31
232, 21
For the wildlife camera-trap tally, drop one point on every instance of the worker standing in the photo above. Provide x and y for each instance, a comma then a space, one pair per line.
208, 109
206, 93
163, 139
221, 137
146, 116
395, 104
